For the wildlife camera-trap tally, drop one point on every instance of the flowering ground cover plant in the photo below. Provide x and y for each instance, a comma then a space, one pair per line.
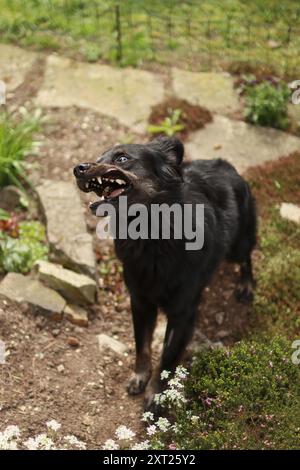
51, 439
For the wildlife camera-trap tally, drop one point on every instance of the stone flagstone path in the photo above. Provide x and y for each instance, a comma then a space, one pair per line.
15, 63
240, 143
128, 94
214, 91
124, 94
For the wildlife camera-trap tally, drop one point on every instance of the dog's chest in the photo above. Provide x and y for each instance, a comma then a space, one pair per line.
149, 268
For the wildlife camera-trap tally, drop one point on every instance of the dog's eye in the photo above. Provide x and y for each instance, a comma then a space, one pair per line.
121, 159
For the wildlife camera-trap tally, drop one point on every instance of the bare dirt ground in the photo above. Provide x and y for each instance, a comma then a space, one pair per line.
44, 376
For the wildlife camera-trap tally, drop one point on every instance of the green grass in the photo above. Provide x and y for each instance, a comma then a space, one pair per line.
16, 141
203, 35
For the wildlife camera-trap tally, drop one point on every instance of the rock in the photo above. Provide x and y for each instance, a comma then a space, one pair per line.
87, 420
76, 315
199, 342
223, 334
290, 212
61, 368
218, 345
20, 288
219, 317
77, 288
273, 44
212, 90
10, 197
73, 341
294, 113
55, 332
125, 94
66, 228
243, 145
106, 342
15, 63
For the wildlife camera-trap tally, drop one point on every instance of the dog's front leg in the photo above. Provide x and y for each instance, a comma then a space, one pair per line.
178, 334
144, 318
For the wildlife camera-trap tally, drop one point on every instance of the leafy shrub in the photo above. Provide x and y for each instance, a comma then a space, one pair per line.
247, 397
266, 105
19, 254
16, 141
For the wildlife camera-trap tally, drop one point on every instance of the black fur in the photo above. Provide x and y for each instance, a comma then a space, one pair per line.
162, 273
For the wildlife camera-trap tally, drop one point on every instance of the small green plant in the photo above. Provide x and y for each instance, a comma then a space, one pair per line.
170, 125
19, 254
92, 52
16, 141
4, 215
266, 105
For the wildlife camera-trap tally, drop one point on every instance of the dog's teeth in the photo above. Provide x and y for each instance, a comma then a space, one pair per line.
86, 185
120, 182
99, 180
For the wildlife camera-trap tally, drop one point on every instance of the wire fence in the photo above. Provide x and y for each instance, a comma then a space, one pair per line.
135, 31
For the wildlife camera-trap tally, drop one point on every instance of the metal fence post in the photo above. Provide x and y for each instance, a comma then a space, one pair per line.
118, 29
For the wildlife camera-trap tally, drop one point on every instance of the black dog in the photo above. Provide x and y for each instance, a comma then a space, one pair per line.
163, 273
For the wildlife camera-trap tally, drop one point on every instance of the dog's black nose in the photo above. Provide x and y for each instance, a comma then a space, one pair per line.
79, 170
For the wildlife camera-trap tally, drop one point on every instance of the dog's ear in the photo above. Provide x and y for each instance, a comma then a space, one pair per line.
171, 146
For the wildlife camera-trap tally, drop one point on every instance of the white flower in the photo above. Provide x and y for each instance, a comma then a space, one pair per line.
9, 438
181, 372
141, 446
73, 441
148, 416
175, 428
174, 396
151, 430
110, 444
53, 424
124, 433
165, 374
31, 444
175, 383
159, 398
194, 419
8, 445
12, 431
163, 424
40, 442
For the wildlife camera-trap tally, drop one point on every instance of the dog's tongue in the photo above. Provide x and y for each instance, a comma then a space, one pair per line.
116, 193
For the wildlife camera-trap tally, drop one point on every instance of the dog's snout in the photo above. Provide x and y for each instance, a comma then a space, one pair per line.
80, 169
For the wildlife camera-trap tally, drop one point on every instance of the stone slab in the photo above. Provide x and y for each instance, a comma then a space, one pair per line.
241, 144
124, 94
66, 228
212, 90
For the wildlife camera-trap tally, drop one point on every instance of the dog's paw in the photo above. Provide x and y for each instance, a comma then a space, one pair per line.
244, 293
150, 402
137, 383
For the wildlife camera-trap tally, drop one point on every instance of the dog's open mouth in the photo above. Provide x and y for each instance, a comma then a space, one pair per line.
108, 184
